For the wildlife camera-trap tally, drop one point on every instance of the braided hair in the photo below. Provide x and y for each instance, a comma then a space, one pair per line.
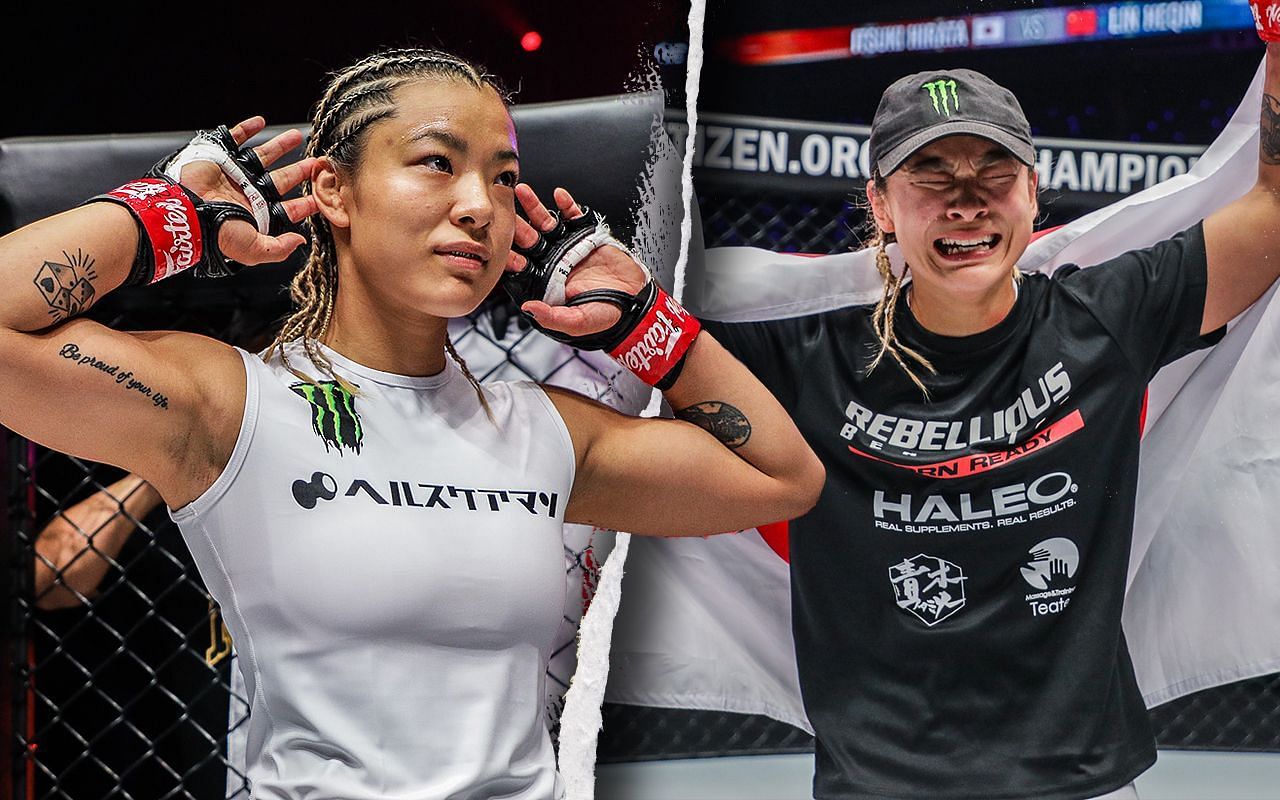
355, 99
886, 307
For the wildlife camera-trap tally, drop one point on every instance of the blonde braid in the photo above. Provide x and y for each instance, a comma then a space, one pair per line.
448, 345
883, 314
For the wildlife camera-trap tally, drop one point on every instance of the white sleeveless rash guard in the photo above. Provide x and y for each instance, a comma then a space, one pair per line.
391, 568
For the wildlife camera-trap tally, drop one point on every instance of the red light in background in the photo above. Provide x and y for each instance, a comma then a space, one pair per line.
531, 41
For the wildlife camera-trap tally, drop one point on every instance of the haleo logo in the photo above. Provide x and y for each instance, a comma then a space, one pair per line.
942, 102
333, 414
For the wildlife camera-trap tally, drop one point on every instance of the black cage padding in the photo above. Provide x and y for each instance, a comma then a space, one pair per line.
596, 148
113, 697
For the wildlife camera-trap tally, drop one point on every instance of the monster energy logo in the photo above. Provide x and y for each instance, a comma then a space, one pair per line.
942, 104
333, 414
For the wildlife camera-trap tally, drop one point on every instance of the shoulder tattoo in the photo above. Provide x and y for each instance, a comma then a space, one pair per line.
1270, 133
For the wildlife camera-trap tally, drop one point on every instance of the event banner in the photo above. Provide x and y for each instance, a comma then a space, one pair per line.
764, 153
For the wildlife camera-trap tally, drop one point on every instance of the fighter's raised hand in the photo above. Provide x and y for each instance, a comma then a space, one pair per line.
198, 207
598, 262
219, 169
580, 286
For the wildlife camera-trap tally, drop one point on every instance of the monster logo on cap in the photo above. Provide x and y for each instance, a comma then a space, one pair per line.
938, 90
906, 121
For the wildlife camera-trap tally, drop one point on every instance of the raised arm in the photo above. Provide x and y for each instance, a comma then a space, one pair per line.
163, 405
76, 547
732, 459
1242, 239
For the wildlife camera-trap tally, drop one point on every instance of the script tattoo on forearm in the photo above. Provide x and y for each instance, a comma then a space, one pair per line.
721, 420
1270, 133
67, 284
123, 377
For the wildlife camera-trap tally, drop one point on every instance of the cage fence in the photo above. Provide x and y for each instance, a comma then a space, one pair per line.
122, 677
122, 684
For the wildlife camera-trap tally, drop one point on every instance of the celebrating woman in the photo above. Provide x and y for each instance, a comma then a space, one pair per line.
957, 591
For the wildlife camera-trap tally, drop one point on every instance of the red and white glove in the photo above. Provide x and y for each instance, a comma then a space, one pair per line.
1266, 18
178, 229
653, 334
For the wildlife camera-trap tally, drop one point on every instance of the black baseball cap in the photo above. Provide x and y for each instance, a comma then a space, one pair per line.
927, 106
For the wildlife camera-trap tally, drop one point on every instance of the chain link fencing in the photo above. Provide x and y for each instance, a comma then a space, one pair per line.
125, 688
122, 680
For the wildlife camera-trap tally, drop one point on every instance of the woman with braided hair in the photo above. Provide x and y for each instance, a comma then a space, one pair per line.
382, 534
957, 591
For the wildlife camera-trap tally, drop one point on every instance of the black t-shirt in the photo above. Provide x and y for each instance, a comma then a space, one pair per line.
957, 591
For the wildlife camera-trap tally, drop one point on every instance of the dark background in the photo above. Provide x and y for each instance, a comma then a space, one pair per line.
121, 68
124, 67
1164, 89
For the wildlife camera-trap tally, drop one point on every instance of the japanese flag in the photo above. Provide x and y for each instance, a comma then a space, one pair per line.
705, 623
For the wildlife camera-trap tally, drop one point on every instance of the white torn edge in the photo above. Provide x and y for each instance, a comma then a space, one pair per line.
582, 720
696, 13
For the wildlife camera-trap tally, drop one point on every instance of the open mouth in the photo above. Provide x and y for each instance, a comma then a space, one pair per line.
966, 246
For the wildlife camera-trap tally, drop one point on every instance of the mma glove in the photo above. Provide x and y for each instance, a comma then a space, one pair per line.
1266, 18
178, 230
653, 335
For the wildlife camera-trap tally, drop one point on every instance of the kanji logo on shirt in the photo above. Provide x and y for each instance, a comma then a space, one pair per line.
928, 587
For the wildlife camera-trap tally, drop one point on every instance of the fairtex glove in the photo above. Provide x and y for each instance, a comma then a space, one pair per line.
177, 229
654, 333
1266, 18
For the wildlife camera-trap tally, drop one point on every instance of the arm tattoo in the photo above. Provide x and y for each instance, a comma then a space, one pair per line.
1270, 134
124, 378
721, 420
67, 285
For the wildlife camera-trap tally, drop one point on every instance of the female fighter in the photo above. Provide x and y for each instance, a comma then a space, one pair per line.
957, 591
383, 535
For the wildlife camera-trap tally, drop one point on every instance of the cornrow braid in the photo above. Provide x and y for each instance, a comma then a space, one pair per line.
382, 87
355, 99
394, 61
